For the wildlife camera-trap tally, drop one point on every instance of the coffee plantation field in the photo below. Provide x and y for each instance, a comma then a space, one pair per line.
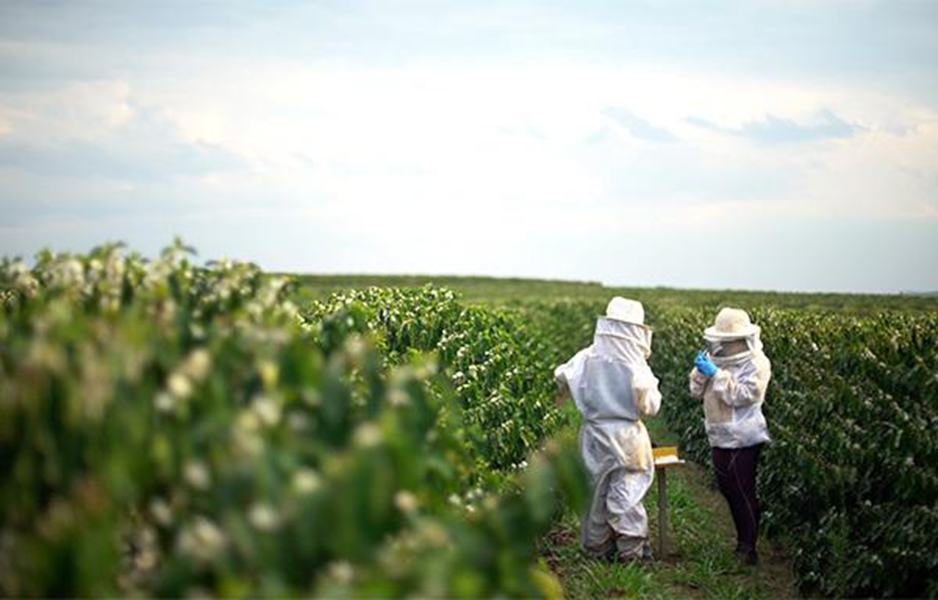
174, 428
850, 485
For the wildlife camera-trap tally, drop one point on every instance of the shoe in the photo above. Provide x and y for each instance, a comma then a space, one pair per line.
646, 552
607, 555
643, 556
629, 559
747, 557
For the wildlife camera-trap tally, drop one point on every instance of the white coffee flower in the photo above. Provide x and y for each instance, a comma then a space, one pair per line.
266, 409
197, 364
405, 501
367, 435
203, 539
398, 397
306, 481
161, 512
179, 386
197, 475
164, 402
341, 571
263, 517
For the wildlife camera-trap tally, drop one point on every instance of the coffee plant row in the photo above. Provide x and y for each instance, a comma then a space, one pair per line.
499, 366
850, 483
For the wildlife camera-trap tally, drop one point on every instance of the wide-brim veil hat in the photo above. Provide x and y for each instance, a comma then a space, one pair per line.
626, 311
730, 324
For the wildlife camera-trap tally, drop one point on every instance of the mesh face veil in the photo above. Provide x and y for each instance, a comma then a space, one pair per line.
626, 340
727, 348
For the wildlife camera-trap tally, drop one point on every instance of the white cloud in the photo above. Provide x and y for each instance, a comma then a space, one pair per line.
771, 129
418, 138
337, 128
82, 110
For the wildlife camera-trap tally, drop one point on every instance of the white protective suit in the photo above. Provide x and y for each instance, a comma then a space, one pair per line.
613, 387
733, 397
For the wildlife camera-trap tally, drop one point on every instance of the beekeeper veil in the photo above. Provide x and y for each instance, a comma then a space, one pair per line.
733, 336
622, 333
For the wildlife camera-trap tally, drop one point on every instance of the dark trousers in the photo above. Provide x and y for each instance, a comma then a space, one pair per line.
736, 476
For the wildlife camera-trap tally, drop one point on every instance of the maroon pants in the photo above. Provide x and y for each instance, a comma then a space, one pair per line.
735, 469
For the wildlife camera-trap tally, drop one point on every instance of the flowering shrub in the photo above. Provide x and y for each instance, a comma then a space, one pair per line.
501, 369
171, 429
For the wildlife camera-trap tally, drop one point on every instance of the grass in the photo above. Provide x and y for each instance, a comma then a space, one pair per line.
702, 565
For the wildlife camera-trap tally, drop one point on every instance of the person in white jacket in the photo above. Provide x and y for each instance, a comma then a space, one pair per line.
613, 388
731, 378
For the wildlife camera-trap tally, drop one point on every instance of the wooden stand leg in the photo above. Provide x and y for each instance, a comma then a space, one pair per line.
664, 534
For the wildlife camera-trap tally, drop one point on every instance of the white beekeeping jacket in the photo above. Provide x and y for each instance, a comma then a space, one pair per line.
733, 397
611, 380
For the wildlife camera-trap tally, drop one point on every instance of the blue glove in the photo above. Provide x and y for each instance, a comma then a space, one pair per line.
704, 364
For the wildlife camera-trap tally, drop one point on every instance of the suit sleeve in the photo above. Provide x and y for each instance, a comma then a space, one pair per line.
698, 383
647, 395
568, 375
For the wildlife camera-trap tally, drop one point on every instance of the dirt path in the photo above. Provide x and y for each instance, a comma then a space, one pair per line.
703, 565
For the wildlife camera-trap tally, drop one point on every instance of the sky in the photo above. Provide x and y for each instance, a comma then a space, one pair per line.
776, 145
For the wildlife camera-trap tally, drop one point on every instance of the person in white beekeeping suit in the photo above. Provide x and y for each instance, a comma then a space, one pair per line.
731, 377
613, 388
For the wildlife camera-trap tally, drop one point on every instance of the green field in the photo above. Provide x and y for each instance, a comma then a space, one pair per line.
175, 429
850, 484
493, 290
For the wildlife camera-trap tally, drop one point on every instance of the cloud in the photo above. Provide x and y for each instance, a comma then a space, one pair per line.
523, 130
149, 159
779, 130
899, 128
638, 127
100, 130
599, 136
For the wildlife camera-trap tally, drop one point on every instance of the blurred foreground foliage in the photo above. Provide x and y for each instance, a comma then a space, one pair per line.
174, 429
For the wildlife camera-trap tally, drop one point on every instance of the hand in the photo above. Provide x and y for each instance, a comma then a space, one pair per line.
704, 364
562, 395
